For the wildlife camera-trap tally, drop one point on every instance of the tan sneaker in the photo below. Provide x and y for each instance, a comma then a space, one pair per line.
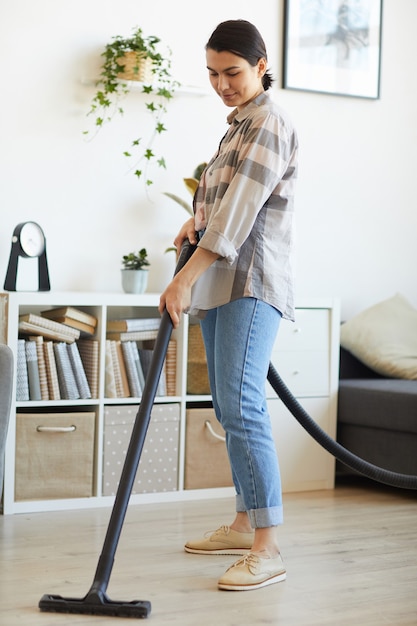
224, 540
253, 572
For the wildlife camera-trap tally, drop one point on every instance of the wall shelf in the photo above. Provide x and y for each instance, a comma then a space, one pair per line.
136, 86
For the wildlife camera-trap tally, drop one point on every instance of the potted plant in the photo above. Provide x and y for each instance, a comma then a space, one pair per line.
136, 58
135, 272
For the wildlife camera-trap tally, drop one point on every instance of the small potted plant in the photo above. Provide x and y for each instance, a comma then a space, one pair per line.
135, 272
135, 58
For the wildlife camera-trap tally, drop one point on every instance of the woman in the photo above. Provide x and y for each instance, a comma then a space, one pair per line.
239, 282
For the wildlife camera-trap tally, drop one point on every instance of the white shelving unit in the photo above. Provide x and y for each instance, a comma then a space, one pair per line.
306, 355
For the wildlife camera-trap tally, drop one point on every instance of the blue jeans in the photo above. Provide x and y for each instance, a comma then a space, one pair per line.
238, 337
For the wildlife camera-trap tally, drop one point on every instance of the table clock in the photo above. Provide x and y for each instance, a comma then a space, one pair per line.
28, 241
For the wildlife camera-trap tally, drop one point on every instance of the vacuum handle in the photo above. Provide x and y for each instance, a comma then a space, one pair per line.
137, 439
187, 250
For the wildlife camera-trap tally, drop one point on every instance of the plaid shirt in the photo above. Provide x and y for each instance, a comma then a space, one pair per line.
244, 210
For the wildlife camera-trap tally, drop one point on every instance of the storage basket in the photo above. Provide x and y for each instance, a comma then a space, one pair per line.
206, 460
54, 455
136, 67
158, 466
197, 374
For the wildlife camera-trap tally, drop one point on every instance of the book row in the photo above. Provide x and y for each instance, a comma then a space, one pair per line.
127, 365
49, 370
68, 324
57, 360
65, 324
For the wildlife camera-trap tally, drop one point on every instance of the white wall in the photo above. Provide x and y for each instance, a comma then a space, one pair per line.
357, 221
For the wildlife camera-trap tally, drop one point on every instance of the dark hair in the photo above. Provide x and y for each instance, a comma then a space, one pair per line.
243, 39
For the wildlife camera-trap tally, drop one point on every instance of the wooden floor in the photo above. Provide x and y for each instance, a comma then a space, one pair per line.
351, 557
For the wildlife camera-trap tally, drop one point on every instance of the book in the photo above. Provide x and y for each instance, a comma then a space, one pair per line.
33, 370
51, 371
123, 373
135, 386
138, 364
66, 378
43, 380
37, 325
171, 368
145, 357
27, 328
89, 353
72, 313
22, 380
110, 390
81, 326
120, 392
162, 385
134, 335
79, 372
131, 325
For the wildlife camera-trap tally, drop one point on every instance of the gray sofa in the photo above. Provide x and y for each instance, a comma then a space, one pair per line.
377, 417
6, 379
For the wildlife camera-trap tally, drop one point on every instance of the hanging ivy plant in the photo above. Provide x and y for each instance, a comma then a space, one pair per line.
135, 58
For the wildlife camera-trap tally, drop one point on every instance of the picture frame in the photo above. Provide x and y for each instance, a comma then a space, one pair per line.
333, 47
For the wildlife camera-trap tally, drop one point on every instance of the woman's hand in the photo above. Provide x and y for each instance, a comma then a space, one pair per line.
176, 299
177, 296
187, 232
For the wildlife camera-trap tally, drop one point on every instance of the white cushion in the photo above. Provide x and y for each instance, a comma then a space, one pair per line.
384, 337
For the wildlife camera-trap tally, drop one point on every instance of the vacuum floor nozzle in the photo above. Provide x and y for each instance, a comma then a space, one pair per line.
95, 604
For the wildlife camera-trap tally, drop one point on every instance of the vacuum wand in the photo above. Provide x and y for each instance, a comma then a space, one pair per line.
96, 601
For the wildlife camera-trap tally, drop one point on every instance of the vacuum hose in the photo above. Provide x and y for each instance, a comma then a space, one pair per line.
348, 458
374, 472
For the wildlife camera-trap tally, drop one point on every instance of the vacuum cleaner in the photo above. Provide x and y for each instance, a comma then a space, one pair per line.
96, 601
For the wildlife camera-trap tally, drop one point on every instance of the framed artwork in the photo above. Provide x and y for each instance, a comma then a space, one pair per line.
333, 46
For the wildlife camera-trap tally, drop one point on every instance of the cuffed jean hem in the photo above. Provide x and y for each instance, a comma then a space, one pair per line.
261, 518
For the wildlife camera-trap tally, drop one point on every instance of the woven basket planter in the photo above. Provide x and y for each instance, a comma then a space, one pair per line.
136, 67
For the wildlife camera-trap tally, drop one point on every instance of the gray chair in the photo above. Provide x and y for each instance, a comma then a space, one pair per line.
6, 384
